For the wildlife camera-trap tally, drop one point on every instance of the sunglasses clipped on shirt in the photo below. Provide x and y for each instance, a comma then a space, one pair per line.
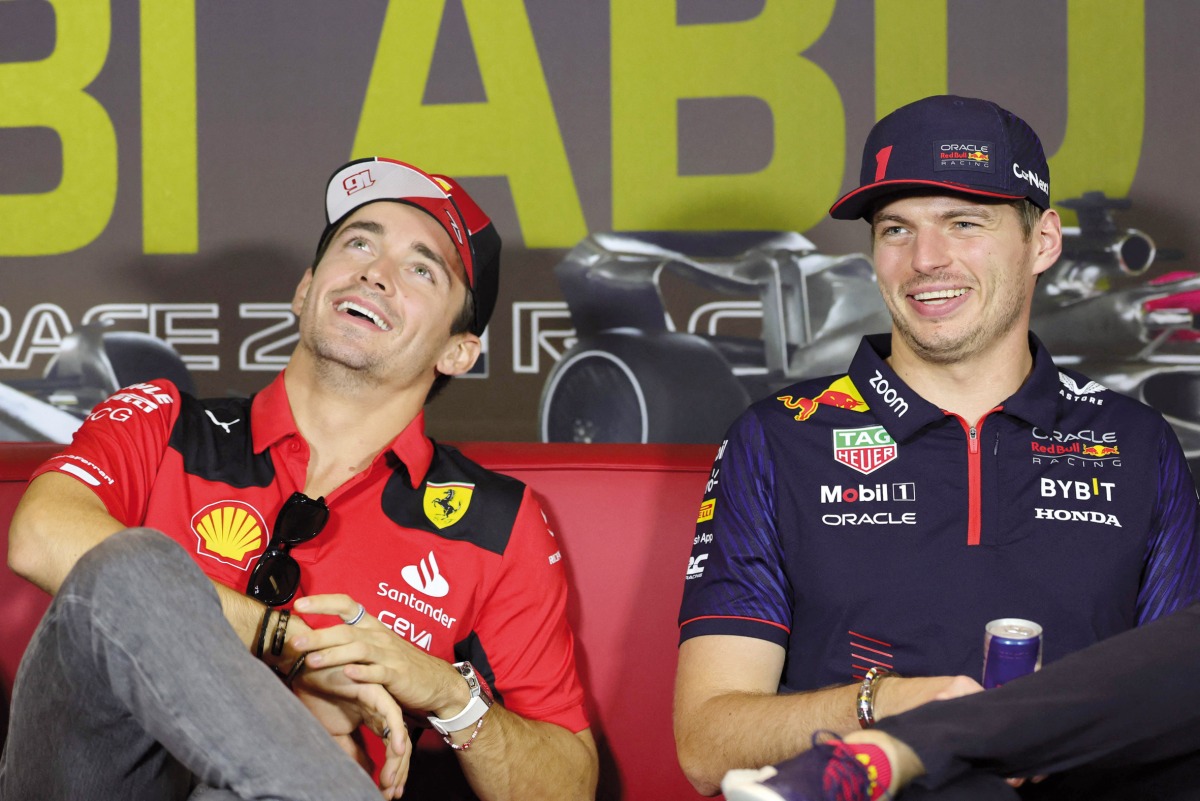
276, 577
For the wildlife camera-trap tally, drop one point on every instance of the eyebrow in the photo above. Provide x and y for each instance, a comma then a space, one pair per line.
372, 227
968, 210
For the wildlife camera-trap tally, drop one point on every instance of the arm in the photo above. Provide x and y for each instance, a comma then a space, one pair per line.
1171, 578
728, 713
511, 757
59, 519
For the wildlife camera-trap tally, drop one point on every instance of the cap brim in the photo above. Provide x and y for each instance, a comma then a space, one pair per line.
854, 205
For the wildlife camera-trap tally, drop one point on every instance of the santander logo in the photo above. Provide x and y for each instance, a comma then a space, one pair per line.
425, 578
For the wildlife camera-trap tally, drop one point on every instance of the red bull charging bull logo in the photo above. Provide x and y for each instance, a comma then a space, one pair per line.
1100, 451
841, 394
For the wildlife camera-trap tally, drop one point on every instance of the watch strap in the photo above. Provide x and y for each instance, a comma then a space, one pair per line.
481, 701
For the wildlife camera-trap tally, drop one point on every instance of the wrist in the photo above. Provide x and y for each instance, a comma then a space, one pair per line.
454, 696
471, 714
867, 704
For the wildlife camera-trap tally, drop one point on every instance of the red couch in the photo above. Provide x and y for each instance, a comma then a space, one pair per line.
624, 515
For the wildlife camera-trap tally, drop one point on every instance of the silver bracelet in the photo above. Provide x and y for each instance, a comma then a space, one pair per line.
866, 695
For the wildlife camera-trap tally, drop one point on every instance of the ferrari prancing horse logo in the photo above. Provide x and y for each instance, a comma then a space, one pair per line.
445, 504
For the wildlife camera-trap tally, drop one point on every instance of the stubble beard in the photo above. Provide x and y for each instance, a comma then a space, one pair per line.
936, 345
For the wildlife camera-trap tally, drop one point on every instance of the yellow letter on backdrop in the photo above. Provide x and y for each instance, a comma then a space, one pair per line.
656, 62
1106, 100
513, 134
910, 52
169, 184
50, 94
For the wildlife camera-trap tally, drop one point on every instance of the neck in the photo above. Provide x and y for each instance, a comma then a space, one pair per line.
345, 423
971, 387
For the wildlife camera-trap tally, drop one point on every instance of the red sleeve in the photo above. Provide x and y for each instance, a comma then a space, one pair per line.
117, 451
522, 628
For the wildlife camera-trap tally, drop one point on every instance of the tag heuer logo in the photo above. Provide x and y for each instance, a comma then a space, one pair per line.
864, 449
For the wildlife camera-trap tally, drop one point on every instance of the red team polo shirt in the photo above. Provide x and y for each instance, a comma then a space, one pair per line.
455, 559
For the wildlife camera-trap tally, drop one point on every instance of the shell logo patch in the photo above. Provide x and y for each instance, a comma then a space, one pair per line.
445, 504
230, 532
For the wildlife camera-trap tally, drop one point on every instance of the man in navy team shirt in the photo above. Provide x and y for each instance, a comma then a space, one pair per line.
862, 529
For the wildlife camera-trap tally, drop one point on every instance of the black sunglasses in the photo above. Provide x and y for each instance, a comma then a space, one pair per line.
276, 577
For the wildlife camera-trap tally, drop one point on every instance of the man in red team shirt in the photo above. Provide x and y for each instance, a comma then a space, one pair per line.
323, 488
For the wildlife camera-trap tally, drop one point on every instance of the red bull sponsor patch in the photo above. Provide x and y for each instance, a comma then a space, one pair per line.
841, 394
864, 449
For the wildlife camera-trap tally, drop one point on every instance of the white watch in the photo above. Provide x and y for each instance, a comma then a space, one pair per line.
481, 701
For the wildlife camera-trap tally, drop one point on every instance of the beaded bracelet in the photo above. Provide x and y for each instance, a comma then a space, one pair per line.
463, 746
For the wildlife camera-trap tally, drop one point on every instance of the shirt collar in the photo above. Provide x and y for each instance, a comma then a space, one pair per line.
271, 422
903, 412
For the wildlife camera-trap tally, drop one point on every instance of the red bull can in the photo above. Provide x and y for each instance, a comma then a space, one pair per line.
1012, 647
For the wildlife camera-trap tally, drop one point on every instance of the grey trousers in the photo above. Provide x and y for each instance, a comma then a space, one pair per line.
134, 686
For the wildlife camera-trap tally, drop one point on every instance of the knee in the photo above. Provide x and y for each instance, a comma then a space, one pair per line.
131, 560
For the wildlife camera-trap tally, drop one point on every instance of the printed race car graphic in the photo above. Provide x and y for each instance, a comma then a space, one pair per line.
629, 373
91, 364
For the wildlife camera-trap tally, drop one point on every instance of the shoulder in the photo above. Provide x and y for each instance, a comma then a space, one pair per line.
458, 500
800, 402
1085, 397
214, 439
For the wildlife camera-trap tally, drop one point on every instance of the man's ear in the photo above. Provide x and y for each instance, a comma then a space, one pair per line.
1047, 236
460, 354
302, 291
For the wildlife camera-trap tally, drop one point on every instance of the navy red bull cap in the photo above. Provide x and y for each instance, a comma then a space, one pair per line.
949, 143
369, 180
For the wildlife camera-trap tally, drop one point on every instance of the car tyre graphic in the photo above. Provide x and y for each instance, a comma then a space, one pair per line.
635, 387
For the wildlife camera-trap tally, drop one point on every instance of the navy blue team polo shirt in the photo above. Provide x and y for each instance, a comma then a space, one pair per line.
856, 524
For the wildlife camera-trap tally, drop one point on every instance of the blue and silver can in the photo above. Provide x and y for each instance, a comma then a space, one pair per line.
1012, 647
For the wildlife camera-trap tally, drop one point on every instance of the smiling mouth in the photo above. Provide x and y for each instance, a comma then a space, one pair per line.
358, 311
940, 296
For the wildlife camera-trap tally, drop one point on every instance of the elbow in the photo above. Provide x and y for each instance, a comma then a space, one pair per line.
27, 551
698, 765
700, 777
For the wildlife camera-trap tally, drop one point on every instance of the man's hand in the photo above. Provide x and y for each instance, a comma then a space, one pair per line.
342, 705
894, 694
372, 653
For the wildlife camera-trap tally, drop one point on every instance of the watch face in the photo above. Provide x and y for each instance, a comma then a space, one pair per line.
479, 687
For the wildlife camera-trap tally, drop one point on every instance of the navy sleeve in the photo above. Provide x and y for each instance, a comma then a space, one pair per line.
1171, 577
736, 582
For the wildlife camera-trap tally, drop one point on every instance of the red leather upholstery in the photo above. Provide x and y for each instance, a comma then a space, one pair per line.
624, 515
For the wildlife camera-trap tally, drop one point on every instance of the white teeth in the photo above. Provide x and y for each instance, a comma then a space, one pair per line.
941, 294
354, 308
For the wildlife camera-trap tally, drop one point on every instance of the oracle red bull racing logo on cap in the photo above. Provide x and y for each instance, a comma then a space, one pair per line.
841, 394
964, 155
864, 449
